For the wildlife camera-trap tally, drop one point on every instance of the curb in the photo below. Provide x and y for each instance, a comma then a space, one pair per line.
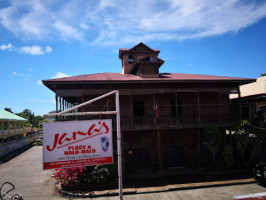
129, 191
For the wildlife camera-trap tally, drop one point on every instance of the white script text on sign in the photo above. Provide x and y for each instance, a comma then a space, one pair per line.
77, 143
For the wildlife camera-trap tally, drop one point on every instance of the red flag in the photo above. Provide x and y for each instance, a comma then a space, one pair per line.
157, 111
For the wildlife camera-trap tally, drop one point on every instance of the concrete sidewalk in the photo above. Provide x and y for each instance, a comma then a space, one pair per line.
128, 191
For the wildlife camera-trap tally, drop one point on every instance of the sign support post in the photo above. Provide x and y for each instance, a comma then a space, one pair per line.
119, 156
117, 112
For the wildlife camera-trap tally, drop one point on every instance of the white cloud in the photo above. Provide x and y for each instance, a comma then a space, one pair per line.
48, 49
60, 75
40, 101
19, 74
8, 47
119, 21
53, 101
39, 82
33, 50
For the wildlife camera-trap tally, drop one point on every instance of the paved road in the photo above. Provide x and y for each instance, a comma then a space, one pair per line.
25, 172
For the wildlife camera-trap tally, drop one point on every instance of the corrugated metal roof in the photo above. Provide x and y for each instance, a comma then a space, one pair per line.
162, 77
5, 115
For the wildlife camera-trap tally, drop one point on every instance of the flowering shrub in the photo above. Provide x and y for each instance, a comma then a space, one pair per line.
69, 176
77, 175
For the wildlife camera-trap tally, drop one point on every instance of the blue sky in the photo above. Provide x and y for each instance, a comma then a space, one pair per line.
44, 39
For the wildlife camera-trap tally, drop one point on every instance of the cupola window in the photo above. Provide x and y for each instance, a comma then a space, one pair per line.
130, 59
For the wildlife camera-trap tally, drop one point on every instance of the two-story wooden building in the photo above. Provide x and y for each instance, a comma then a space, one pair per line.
163, 115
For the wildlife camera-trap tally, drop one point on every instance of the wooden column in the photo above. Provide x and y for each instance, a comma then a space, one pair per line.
131, 109
8, 123
56, 102
154, 107
107, 104
2, 128
199, 147
60, 106
240, 102
176, 108
23, 124
63, 102
15, 130
219, 107
198, 104
159, 151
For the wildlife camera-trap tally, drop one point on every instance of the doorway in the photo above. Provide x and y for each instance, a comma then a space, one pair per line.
141, 158
175, 156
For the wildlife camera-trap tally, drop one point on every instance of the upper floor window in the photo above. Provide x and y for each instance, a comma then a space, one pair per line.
179, 108
130, 59
138, 108
173, 108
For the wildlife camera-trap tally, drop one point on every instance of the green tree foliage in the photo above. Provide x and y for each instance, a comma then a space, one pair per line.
8, 110
245, 149
259, 116
242, 138
38, 121
214, 137
228, 156
33, 120
26, 113
263, 74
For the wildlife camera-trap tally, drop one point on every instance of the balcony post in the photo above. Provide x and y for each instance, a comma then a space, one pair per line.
159, 151
8, 134
131, 109
198, 104
154, 106
60, 106
56, 107
199, 148
240, 102
219, 107
176, 109
2, 128
63, 102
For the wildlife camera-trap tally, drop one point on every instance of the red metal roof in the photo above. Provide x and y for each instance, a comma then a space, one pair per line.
129, 77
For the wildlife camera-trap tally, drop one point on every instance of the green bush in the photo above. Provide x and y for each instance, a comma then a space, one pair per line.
228, 156
99, 174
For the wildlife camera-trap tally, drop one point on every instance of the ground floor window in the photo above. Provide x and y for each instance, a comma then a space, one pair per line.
6, 125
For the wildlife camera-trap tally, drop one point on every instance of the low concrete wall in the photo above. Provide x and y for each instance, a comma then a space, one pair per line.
10, 146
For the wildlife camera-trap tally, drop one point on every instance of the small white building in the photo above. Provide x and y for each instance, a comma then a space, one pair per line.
10, 125
253, 97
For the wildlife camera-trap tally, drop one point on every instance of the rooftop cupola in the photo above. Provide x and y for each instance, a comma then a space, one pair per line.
141, 61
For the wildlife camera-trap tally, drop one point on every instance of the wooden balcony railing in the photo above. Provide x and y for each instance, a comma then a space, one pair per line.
206, 120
